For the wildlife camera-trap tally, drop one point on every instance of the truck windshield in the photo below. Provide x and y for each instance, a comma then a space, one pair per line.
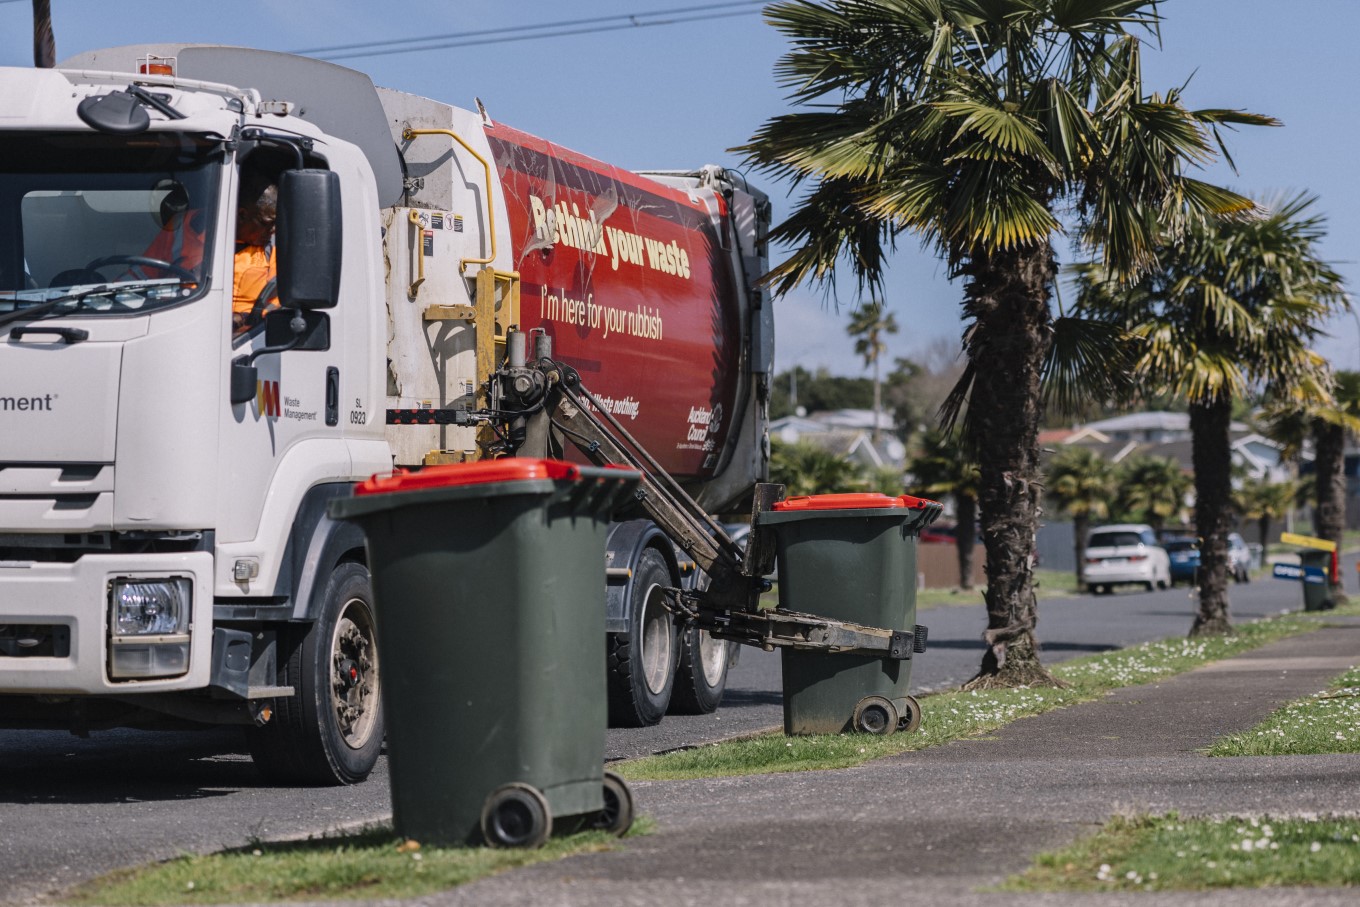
130, 218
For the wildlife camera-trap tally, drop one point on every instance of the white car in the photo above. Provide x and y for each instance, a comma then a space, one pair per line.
1124, 554
1240, 559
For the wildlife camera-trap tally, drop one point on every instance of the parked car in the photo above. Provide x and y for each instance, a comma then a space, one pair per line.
945, 533
1239, 558
1125, 554
1183, 554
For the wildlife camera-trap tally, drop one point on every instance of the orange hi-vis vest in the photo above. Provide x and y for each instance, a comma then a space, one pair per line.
179, 242
255, 266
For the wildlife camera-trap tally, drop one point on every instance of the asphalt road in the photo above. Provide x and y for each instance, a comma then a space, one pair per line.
72, 807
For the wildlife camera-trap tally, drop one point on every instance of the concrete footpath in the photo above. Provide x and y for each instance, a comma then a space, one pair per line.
938, 827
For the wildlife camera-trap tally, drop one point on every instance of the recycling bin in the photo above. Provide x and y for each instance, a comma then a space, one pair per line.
488, 586
851, 557
1317, 595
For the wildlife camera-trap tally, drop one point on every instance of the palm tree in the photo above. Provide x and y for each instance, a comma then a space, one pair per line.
973, 125
868, 325
1233, 304
1330, 426
805, 468
1154, 488
1265, 501
44, 44
944, 466
1082, 484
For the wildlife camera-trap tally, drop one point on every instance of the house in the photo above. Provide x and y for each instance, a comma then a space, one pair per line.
1164, 434
847, 433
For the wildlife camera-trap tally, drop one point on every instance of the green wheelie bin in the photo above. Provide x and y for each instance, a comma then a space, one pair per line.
488, 583
851, 557
1317, 592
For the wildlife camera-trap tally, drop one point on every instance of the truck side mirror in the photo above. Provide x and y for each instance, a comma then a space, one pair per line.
308, 238
244, 381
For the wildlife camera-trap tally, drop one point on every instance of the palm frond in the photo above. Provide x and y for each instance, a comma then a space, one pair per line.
1089, 361
1004, 129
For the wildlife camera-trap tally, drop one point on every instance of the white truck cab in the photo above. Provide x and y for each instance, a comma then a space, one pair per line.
165, 550
157, 524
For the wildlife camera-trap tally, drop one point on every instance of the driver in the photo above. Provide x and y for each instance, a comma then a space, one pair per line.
256, 271
180, 240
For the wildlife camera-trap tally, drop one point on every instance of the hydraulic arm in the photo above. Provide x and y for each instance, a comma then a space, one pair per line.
543, 401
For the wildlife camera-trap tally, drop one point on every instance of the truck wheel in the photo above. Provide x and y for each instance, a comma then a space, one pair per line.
642, 661
330, 731
702, 676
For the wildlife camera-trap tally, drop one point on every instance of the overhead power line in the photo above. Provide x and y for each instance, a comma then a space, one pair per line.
528, 32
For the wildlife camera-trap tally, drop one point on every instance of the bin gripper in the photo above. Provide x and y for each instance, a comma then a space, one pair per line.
543, 401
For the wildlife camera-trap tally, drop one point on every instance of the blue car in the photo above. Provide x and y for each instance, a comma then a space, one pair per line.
1184, 555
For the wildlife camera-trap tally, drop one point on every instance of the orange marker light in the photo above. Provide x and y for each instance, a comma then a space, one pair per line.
156, 66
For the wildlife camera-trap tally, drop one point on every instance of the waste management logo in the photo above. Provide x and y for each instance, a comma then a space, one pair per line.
267, 399
41, 403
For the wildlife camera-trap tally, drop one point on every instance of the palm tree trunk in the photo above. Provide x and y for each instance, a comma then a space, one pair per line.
965, 539
1007, 296
44, 44
1330, 462
1263, 527
878, 403
1212, 455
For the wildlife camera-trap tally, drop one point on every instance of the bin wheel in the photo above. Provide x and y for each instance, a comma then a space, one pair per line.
701, 678
617, 815
516, 815
874, 715
910, 718
641, 662
330, 731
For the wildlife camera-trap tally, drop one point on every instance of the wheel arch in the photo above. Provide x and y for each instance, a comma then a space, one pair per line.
317, 544
624, 546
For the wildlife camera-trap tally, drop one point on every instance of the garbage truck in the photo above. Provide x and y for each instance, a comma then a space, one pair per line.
168, 450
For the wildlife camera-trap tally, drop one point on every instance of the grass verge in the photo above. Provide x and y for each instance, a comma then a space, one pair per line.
1050, 583
1326, 722
1164, 853
953, 715
368, 865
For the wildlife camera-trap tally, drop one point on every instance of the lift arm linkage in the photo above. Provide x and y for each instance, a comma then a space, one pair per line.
549, 396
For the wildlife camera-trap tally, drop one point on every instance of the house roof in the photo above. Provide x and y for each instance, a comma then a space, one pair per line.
1154, 420
853, 418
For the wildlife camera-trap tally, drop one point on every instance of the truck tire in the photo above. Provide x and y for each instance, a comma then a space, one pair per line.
701, 677
330, 731
641, 663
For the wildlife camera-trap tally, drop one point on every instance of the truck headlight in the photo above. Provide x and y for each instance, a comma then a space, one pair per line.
150, 607
149, 627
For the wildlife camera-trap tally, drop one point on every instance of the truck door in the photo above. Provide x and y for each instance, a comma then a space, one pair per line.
289, 436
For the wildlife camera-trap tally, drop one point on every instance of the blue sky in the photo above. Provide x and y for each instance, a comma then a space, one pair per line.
677, 96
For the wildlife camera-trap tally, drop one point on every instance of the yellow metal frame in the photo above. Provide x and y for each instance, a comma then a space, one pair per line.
414, 217
408, 134
490, 324
491, 333
490, 330
491, 343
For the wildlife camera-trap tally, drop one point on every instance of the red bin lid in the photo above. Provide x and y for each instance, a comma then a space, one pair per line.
482, 472
858, 501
